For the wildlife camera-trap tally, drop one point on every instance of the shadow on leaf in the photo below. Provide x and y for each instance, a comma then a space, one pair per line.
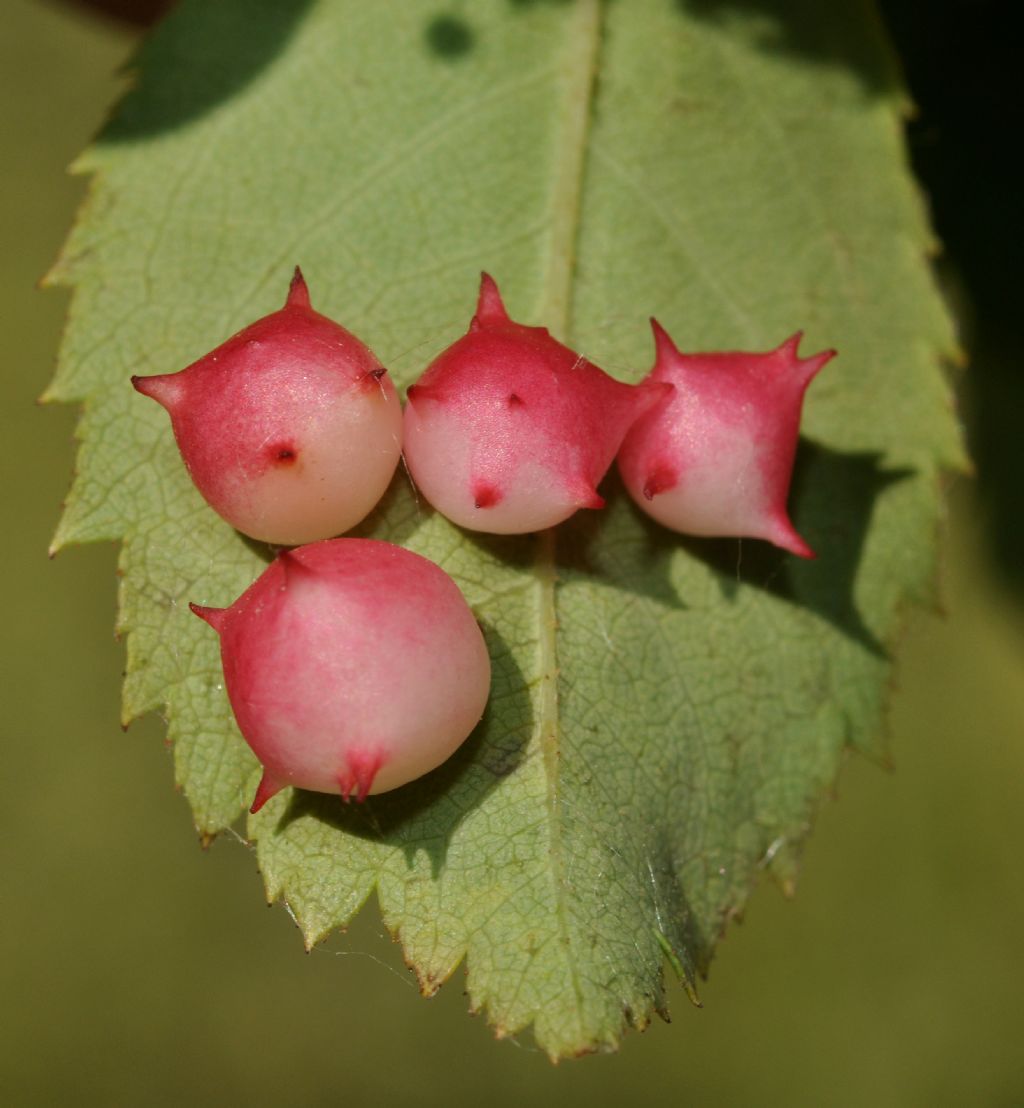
686, 947
582, 549
397, 516
450, 37
810, 33
640, 565
215, 49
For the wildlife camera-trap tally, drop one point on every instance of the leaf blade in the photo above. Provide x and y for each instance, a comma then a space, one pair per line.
666, 713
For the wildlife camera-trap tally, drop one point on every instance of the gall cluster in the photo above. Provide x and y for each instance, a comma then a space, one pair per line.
292, 430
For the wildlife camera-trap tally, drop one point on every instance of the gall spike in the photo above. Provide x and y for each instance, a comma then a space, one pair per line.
509, 431
353, 666
291, 429
717, 457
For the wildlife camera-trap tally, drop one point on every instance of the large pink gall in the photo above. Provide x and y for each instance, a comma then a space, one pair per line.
717, 458
291, 429
353, 666
509, 431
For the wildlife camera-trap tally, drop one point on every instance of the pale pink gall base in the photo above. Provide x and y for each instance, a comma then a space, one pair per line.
717, 458
509, 431
291, 429
353, 666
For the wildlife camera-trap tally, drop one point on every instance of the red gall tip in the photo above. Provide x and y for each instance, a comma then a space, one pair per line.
658, 480
652, 394
816, 362
269, 786
370, 381
282, 453
514, 400
166, 389
485, 495
213, 616
490, 311
589, 498
791, 344
809, 367
293, 568
798, 547
664, 347
416, 393
356, 779
298, 293
784, 535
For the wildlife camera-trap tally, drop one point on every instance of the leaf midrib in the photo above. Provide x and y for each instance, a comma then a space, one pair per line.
581, 64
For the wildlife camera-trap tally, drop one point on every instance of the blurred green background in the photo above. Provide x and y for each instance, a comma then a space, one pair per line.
138, 969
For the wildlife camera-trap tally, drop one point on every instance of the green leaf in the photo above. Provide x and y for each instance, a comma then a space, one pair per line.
666, 713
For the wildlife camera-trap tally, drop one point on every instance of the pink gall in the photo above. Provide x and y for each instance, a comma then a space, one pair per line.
717, 458
291, 429
353, 666
509, 431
